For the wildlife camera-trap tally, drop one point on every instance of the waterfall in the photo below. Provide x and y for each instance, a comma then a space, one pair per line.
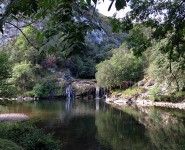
105, 93
97, 93
70, 92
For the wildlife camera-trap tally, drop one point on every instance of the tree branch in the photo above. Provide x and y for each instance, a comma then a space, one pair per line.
23, 35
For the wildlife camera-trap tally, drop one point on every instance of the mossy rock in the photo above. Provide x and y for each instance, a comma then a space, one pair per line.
9, 145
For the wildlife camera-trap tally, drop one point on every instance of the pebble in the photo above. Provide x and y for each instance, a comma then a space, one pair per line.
147, 103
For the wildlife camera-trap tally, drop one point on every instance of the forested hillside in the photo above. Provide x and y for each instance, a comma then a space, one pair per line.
31, 69
75, 39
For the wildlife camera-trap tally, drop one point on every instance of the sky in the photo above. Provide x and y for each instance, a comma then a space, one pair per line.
103, 9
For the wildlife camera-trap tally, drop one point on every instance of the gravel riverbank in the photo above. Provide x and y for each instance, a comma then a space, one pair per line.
145, 103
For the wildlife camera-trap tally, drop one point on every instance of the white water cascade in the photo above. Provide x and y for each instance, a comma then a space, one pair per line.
97, 93
69, 92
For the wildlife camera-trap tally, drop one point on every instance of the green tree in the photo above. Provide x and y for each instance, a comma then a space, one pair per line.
5, 67
24, 51
159, 68
5, 71
61, 28
122, 66
163, 16
23, 77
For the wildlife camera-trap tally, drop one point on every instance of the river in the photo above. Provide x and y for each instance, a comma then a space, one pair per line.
94, 125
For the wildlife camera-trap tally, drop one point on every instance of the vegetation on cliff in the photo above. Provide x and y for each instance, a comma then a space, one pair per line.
154, 45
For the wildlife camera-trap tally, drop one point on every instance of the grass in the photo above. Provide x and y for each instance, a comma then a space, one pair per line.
129, 92
172, 97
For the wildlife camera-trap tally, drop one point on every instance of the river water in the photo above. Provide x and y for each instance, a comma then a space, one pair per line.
93, 125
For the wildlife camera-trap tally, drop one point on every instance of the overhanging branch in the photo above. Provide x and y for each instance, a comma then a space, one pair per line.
23, 35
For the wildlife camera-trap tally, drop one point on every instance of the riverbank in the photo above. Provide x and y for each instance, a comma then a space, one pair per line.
147, 93
144, 103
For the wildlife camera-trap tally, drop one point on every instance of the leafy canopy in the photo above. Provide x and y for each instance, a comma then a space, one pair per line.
166, 18
122, 66
62, 28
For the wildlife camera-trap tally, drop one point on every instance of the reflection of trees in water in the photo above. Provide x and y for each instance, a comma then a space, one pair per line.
78, 134
172, 137
164, 130
3, 109
120, 131
168, 132
141, 128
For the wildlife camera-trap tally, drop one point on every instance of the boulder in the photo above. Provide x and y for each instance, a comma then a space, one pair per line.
150, 83
142, 82
13, 117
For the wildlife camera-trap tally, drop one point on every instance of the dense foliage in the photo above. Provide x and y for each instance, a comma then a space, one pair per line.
171, 74
61, 28
28, 136
169, 19
23, 66
5, 72
9, 145
157, 29
122, 66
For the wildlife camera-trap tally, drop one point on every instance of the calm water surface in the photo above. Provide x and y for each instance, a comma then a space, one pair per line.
93, 125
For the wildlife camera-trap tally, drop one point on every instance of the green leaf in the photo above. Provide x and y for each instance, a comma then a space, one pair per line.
120, 4
81, 1
88, 2
95, 1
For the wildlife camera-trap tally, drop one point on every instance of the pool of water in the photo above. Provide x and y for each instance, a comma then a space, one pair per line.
93, 125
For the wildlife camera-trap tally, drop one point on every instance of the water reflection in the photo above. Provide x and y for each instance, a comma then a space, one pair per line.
97, 104
120, 131
163, 129
92, 125
69, 104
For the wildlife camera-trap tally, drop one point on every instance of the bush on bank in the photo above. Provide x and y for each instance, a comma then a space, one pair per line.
28, 136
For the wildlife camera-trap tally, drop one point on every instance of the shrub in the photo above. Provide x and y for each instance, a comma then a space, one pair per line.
154, 92
5, 71
28, 136
45, 88
132, 91
172, 97
122, 66
169, 73
38, 90
23, 77
9, 145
